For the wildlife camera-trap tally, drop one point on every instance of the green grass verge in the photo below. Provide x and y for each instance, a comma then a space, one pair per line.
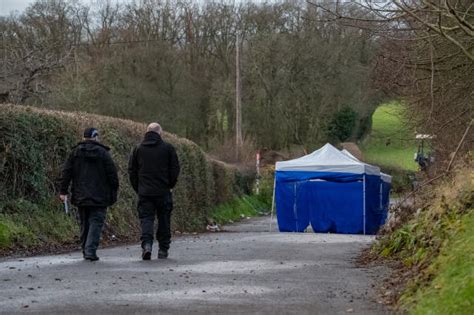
390, 142
437, 246
235, 210
26, 224
452, 290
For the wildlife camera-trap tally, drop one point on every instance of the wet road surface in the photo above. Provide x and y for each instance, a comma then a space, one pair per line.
245, 270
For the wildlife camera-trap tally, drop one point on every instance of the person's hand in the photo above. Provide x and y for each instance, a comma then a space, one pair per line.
63, 197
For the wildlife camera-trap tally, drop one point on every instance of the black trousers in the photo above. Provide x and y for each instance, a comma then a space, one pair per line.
92, 221
160, 207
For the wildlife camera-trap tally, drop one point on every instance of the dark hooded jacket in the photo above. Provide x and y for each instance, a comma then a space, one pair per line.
153, 167
93, 174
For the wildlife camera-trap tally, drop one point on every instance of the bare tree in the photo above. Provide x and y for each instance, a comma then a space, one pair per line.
425, 58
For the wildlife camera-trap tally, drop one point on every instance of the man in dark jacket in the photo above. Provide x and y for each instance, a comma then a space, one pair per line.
153, 169
94, 188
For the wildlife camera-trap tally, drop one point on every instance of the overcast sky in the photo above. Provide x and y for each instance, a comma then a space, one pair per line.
7, 6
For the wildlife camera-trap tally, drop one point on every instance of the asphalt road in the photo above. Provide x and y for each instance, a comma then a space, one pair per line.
243, 270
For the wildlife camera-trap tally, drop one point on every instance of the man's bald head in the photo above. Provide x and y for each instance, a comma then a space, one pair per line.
155, 127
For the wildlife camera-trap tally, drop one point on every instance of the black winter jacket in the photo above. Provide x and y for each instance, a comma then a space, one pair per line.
93, 174
153, 167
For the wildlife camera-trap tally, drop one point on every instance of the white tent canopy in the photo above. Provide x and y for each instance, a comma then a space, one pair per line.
385, 177
328, 159
349, 154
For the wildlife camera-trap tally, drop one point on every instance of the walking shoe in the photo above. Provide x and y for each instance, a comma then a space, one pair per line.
162, 254
146, 254
91, 257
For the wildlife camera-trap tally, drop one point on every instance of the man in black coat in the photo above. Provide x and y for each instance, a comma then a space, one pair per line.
94, 188
153, 169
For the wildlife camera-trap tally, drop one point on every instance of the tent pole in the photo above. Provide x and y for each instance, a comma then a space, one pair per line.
381, 194
273, 203
294, 208
364, 203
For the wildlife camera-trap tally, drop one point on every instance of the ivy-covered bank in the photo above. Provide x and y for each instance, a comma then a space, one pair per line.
434, 241
33, 145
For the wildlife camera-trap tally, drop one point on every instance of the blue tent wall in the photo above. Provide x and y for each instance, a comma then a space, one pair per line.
291, 217
385, 200
337, 207
374, 213
331, 202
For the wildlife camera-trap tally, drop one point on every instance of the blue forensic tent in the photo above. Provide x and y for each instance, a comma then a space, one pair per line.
330, 190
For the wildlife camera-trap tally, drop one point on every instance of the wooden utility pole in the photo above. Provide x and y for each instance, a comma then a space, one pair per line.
238, 102
4, 53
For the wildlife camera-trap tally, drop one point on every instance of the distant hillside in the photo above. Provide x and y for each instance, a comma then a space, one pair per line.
33, 145
390, 142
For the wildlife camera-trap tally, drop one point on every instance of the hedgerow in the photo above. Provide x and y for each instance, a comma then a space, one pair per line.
33, 146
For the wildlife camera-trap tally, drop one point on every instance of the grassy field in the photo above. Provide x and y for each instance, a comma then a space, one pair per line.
390, 143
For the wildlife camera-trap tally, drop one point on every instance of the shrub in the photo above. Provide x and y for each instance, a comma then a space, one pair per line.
402, 180
239, 208
342, 124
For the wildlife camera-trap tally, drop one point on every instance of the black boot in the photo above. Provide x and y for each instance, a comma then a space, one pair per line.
162, 254
92, 257
146, 254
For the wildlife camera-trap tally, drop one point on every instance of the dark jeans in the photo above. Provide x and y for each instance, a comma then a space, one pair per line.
148, 208
92, 221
